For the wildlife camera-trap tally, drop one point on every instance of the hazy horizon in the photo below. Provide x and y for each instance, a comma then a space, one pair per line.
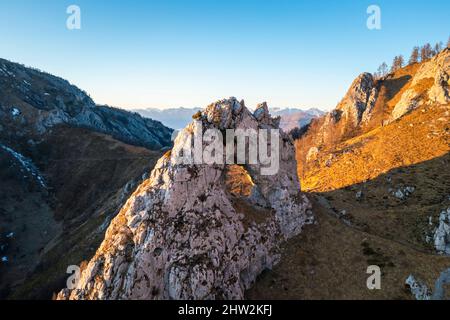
167, 54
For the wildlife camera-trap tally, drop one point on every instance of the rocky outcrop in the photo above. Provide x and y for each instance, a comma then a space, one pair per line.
353, 111
420, 290
442, 233
180, 236
437, 69
440, 92
359, 101
37, 101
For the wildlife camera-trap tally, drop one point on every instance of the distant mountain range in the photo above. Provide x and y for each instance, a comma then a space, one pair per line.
295, 118
177, 118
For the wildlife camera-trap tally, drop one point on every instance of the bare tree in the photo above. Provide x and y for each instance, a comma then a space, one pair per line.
397, 63
401, 61
438, 47
414, 56
426, 52
448, 42
382, 70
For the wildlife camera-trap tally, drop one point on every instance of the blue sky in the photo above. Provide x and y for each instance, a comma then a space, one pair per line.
171, 53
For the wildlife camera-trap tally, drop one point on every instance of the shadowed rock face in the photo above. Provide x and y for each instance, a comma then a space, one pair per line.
180, 237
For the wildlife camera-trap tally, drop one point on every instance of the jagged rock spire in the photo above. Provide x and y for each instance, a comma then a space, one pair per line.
180, 236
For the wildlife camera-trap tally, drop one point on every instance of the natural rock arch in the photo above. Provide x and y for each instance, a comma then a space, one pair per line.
179, 235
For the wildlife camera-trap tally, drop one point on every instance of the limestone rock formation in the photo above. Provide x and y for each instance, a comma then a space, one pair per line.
418, 289
437, 69
440, 92
442, 233
353, 111
359, 100
180, 236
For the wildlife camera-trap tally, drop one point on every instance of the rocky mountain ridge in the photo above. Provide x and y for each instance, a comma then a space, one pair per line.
33, 102
178, 118
371, 103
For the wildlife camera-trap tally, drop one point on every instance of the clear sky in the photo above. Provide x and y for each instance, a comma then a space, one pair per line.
171, 53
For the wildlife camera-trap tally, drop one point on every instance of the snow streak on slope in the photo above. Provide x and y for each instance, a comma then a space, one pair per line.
26, 164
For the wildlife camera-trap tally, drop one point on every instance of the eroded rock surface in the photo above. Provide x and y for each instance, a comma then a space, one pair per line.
180, 237
436, 69
442, 233
360, 99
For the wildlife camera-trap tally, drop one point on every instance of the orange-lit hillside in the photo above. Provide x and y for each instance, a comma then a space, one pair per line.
420, 136
337, 153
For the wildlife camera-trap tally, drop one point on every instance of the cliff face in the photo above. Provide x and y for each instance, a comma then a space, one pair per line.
182, 235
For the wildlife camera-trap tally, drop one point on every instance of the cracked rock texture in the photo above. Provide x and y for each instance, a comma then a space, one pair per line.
179, 235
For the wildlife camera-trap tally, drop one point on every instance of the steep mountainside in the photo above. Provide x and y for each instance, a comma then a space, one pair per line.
377, 171
65, 170
369, 120
371, 103
31, 102
88, 176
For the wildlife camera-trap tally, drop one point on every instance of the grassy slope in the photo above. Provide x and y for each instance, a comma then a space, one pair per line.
87, 172
329, 259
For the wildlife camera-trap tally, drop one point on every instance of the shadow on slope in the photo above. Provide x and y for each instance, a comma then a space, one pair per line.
329, 259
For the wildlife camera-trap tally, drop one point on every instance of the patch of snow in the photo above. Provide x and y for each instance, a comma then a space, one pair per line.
27, 164
10, 235
4, 259
15, 112
26, 82
105, 224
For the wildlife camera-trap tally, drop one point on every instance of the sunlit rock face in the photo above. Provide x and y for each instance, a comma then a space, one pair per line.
437, 68
180, 236
359, 101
